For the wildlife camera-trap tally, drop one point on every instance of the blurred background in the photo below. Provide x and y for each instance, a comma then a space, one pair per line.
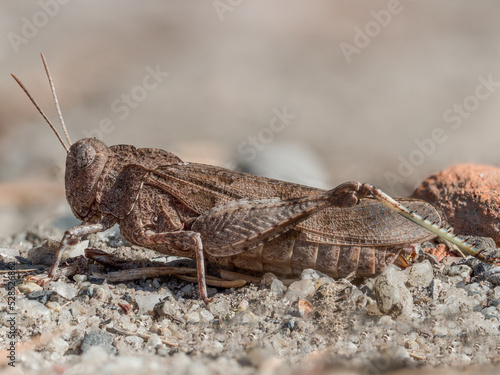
319, 92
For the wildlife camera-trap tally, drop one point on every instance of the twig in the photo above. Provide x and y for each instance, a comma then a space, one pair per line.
146, 272
214, 281
416, 356
231, 275
143, 336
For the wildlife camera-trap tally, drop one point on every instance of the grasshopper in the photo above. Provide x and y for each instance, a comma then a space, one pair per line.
234, 219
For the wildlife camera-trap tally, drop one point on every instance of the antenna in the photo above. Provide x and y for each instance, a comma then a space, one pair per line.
54, 95
40, 110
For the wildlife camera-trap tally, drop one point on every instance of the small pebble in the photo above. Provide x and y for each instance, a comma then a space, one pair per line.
393, 298
169, 308
54, 306
187, 289
29, 287
33, 309
323, 281
311, 274
436, 288
305, 308
65, 290
243, 305
99, 292
41, 296
135, 341
277, 287
80, 278
300, 289
206, 316
193, 317
461, 270
220, 307
9, 255
267, 279
147, 302
493, 275
154, 342
57, 345
490, 312
420, 274
476, 288
100, 339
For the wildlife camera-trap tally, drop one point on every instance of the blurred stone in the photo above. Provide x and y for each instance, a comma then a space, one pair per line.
469, 196
193, 317
305, 308
293, 162
420, 274
311, 274
476, 288
267, 279
169, 308
220, 307
490, 312
57, 345
243, 305
300, 289
436, 288
41, 296
146, 303
29, 287
33, 309
8, 255
135, 341
493, 275
63, 289
393, 298
206, 316
54, 306
154, 342
98, 338
461, 270
277, 287
80, 278
101, 293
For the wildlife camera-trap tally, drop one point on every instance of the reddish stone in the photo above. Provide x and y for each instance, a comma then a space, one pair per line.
440, 252
469, 196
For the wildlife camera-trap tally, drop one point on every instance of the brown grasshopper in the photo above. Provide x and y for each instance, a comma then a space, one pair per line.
231, 218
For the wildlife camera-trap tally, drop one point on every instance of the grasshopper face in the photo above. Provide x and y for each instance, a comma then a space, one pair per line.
85, 163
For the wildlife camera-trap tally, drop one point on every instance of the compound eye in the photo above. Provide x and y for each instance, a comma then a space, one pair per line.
85, 156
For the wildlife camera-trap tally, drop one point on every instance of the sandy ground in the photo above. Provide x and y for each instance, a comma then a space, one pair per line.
429, 318
321, 92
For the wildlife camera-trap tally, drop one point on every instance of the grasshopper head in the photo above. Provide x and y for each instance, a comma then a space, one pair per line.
84, 165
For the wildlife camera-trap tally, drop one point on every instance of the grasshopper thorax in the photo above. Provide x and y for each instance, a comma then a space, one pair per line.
85, 163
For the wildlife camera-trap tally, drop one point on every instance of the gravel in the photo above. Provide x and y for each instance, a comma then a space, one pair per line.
428, 315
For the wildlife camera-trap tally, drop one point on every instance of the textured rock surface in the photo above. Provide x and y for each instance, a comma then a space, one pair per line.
393, 298
469, 196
